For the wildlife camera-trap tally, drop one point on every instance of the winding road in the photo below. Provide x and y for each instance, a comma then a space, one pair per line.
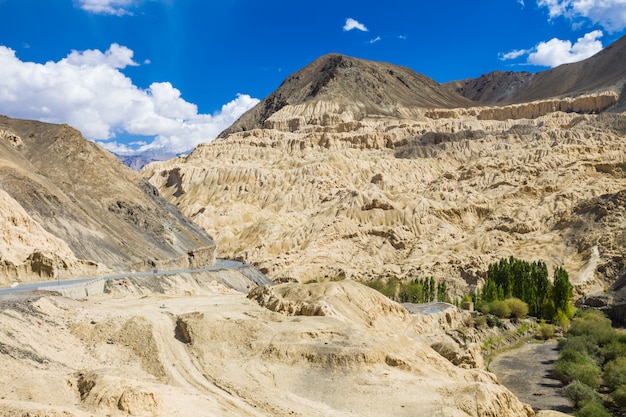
34, 286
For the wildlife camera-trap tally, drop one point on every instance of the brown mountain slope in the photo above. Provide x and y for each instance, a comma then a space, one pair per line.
88, 203
357, 86
604, 71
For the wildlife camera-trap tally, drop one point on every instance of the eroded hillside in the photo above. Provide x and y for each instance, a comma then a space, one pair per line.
442, 195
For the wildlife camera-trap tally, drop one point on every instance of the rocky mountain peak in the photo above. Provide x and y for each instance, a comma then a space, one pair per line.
360, 87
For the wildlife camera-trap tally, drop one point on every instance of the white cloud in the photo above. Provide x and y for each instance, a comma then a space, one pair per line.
514, 54
610, 14
376, 39
114, 7
115, 57
556, 51
354, 24
87, 90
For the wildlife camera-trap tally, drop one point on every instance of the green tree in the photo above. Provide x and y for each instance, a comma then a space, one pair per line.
442, 292
541, 288
431, 289
563, 291
490, 291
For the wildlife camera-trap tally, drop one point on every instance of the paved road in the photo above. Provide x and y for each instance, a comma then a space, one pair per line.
34, 286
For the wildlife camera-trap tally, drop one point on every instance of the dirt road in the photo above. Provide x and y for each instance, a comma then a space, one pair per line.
526, 372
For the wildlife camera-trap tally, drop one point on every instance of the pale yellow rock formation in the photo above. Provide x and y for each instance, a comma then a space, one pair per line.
403, 196
198, 348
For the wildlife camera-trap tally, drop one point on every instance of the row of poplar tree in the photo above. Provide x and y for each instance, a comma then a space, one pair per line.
529, 282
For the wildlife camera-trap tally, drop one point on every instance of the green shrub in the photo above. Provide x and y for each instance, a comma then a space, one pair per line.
619, 396
387, 287
613, 350
584, 344
518, 309
546, 331
586, 372
480, 321
493, 321
580, 393
500, 309
615, 373
562, 319
592, 409
594, 324
572, 355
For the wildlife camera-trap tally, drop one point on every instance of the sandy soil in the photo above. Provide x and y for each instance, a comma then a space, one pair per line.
199, 348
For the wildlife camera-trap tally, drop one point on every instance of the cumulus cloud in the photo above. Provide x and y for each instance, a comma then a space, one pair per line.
353, 24
113, 7
610, 14
556, 51
376, 39
88, 91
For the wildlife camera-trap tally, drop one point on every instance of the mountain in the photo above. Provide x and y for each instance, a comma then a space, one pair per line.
356, 88
140, 160
604, 71
69, 202
348, 170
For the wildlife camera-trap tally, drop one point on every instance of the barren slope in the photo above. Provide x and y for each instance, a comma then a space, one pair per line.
215, 352
417, 183
604, 71
442, 196
85, 204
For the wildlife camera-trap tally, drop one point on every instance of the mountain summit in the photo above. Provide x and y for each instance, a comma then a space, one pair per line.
362, 87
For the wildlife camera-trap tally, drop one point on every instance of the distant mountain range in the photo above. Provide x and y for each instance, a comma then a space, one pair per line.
140, 160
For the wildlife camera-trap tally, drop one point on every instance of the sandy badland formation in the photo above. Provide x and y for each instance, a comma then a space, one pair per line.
330, 177
198, 348
350, 169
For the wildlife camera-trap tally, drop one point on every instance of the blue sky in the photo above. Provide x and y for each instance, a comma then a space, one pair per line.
137, 75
